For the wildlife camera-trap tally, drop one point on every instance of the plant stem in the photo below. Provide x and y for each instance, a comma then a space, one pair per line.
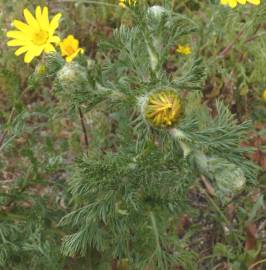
257, 263
215, 206
155, 230
83, 127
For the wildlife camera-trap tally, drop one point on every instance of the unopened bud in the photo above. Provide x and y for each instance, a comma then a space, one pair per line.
72, 76
161, 108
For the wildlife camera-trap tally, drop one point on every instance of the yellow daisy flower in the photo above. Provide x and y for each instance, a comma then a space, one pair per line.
36, 35
70, 48
264, 95
124, 3
186, 50
233, 3
162, 108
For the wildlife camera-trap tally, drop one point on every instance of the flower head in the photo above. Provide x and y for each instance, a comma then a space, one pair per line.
70, 48
264, 95
186, 50
233, 3
36, 35
124, 3
162, 108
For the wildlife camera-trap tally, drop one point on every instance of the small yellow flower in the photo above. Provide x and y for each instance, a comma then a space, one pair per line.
233, 3
186, 50
124, 3
70, 48
36, 35
264, 95
162, 108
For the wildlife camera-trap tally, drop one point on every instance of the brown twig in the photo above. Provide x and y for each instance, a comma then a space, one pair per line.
208, 185
114, 264
83, 127
2, 137
253, 37
227, 49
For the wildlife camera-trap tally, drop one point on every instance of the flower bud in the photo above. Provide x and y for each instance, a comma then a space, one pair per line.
40, 69
231, 179
161, 108
71, 85
228, 176
72, 76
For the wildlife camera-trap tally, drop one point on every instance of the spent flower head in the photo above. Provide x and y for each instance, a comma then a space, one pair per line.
234, 3
156, 11
70, 48
162, 108
36, 35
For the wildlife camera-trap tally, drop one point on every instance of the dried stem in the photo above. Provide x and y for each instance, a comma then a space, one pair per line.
83, 127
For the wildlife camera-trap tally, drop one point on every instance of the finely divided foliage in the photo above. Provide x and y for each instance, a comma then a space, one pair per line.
127, 199
153, 150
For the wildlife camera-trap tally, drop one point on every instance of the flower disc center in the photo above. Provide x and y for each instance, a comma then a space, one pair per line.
69, 50
40, 37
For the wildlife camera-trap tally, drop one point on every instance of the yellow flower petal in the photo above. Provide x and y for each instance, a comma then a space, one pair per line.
254, 2
28, 57
45, 19
21, 50
69, 58
30, 19
223, 2
54, 39
36, 50
232, 3
73, 41
242, 2
55, 22
38, 14
17, 42
26, 29
264, 95
49, 48
16, 35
